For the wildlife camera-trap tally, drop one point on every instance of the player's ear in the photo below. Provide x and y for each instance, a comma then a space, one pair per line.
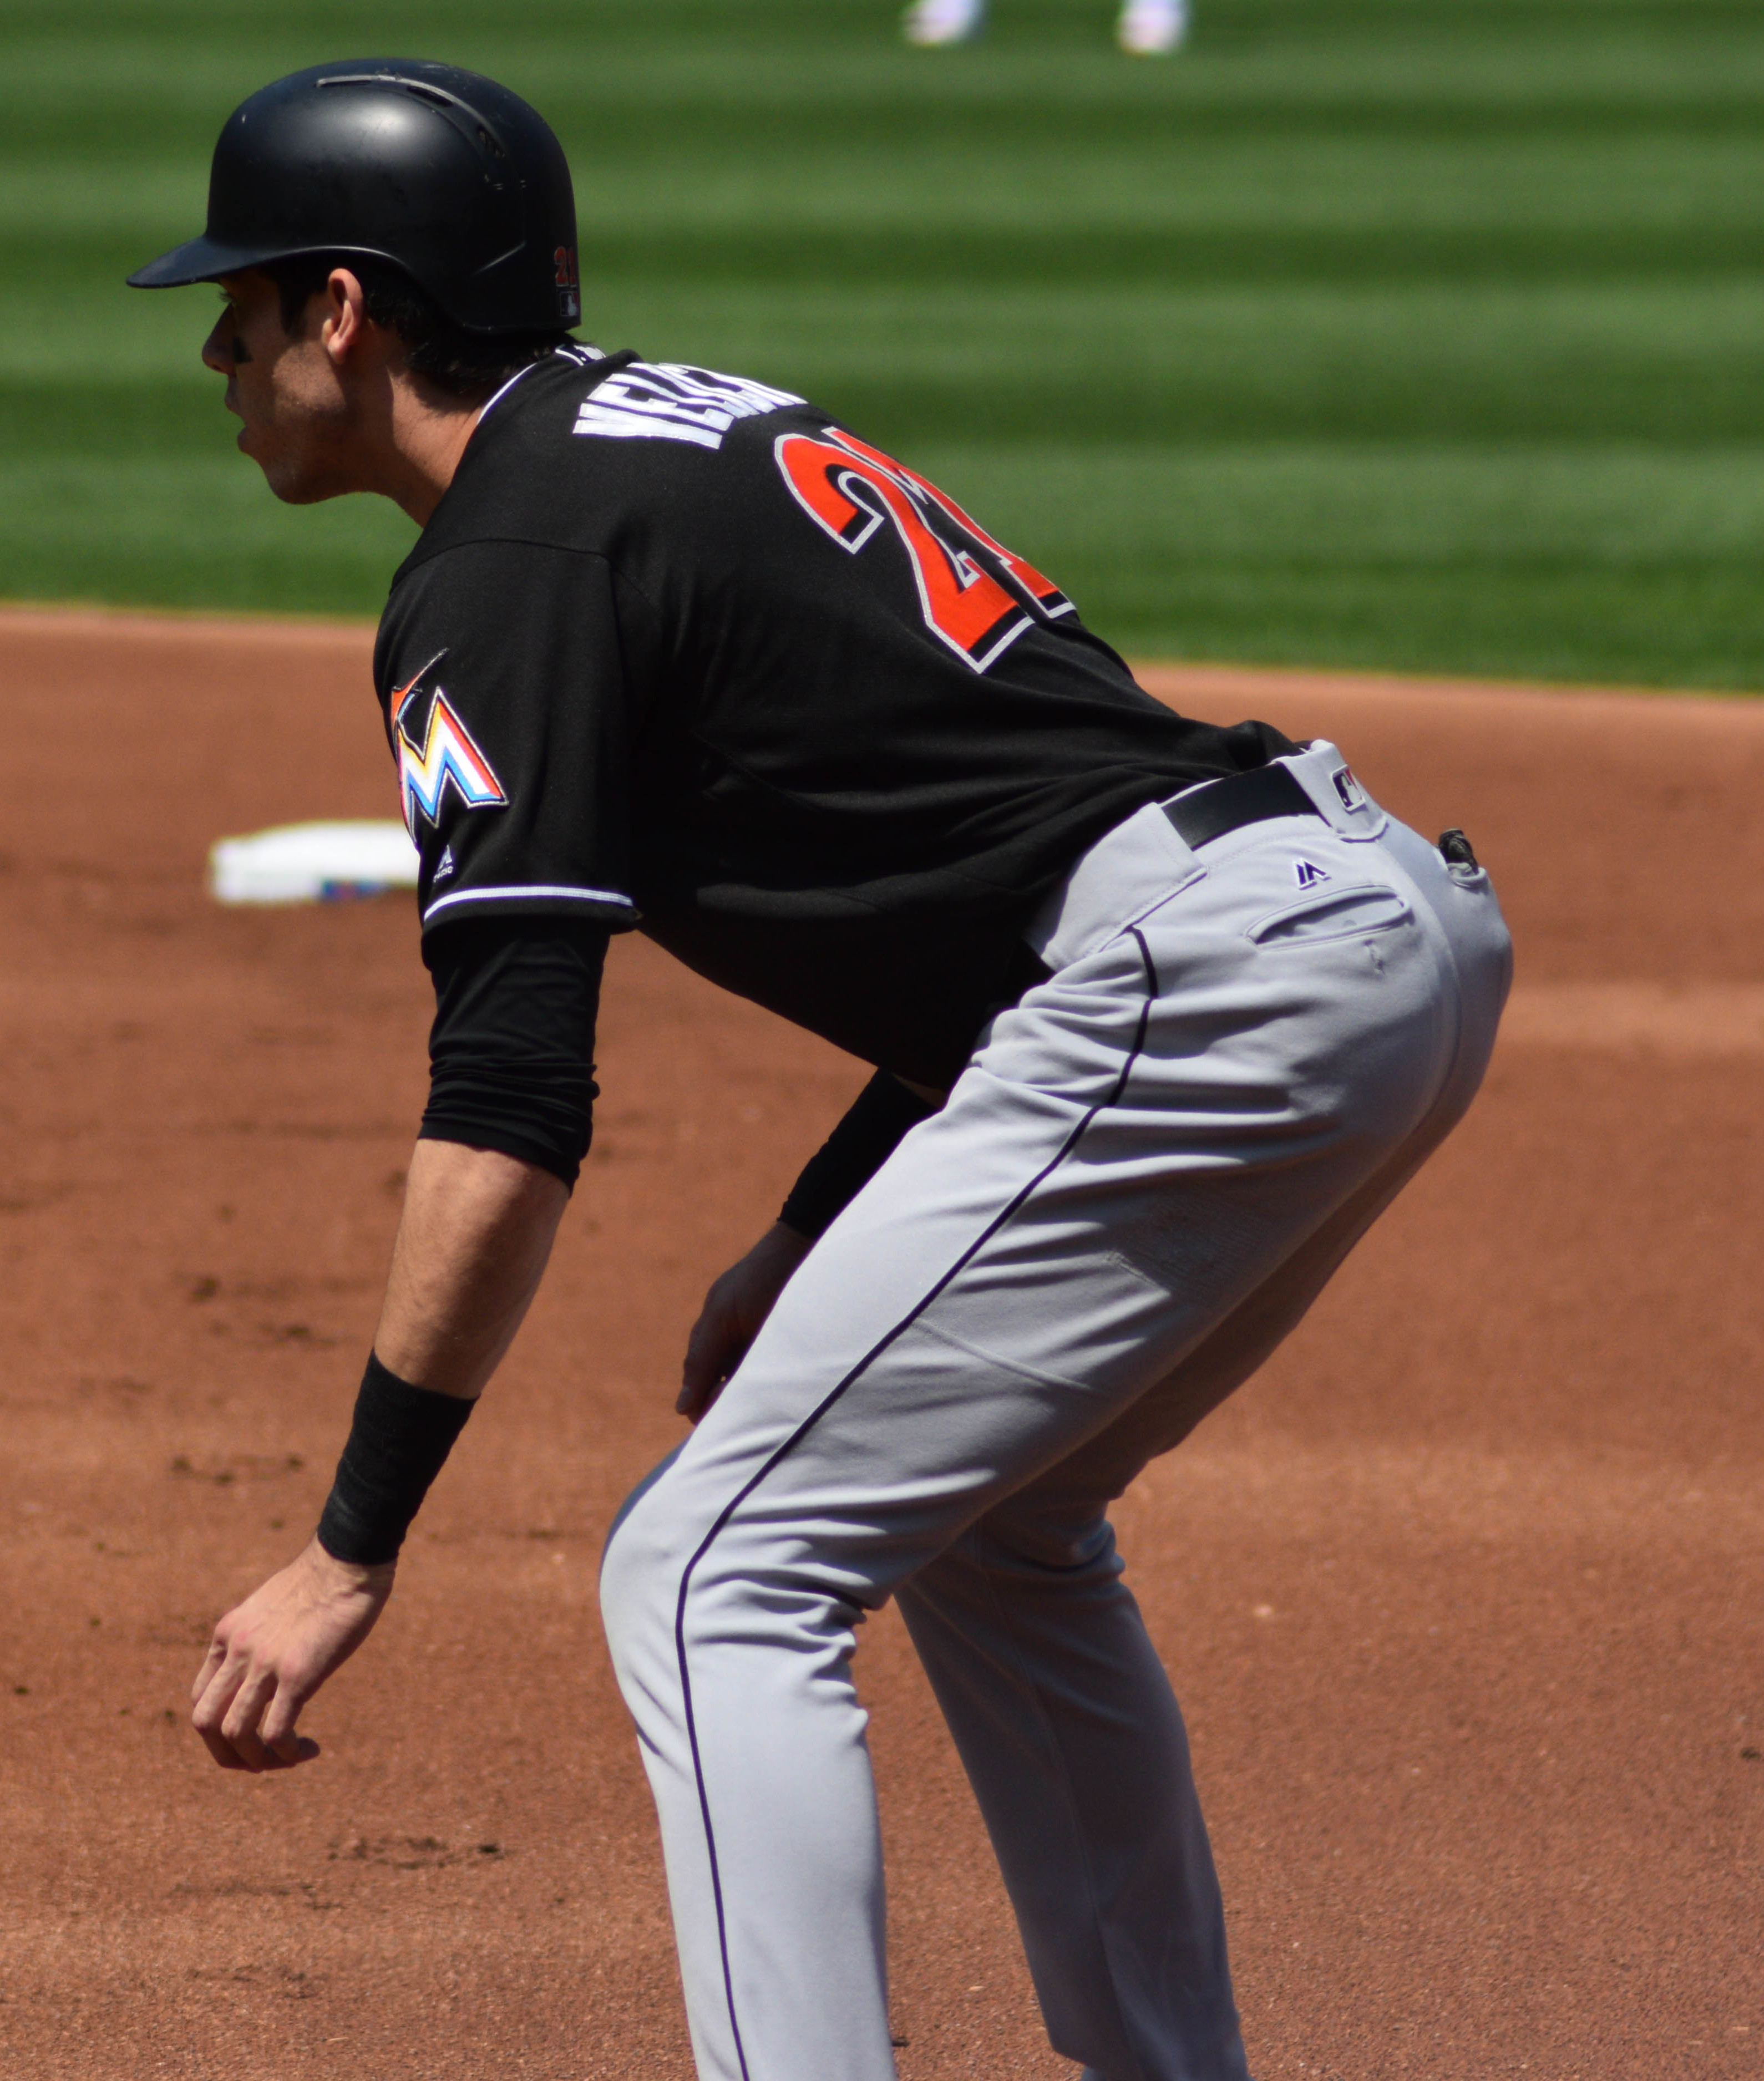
345, 313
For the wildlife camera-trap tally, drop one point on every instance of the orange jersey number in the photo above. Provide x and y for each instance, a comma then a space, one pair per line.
852, 489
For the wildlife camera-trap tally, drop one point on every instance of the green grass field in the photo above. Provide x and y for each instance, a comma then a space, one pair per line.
1395, 333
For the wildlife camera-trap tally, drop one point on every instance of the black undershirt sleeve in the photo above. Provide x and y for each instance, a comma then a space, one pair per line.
511, 1049
853, 1152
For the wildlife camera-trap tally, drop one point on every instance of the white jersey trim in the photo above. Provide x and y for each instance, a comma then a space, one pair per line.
550, 891
583, 357
491, 402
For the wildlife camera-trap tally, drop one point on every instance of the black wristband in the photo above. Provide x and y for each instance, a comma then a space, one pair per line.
852, 1154
398, 1444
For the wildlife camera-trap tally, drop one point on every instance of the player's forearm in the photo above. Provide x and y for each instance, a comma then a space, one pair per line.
472, 1246
884, 1112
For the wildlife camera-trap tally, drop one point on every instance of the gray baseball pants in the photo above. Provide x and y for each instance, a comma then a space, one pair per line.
1144, 1177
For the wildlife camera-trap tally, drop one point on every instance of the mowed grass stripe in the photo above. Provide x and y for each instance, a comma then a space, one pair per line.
1623, 365
1323, 549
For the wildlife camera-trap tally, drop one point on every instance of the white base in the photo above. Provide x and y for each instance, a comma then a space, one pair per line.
312, 862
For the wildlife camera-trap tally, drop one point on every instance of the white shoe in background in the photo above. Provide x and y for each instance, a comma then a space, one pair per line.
1152, 28
929, 23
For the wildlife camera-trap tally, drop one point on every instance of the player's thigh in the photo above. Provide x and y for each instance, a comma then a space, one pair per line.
871, 1418
1076, 1490
1240, 1231
1027, 1266
1052, 1517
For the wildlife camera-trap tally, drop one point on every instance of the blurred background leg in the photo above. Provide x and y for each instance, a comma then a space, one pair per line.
1152, 28
929, 23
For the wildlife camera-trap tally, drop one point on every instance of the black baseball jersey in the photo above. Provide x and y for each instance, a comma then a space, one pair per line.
676, 651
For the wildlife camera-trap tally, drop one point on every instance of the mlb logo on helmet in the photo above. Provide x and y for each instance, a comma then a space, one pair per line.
568, 282
446, 757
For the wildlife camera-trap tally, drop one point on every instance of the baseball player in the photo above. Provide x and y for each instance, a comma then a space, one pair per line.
1162, 1015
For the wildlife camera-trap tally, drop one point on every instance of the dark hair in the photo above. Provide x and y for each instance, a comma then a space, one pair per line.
461, 362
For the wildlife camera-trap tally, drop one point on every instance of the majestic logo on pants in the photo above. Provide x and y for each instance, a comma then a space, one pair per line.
445, 757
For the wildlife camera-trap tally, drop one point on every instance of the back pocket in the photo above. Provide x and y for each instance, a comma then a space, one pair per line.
1335, 913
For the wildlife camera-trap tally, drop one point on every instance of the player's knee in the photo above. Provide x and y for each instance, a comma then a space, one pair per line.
1021, 1538
646, 1555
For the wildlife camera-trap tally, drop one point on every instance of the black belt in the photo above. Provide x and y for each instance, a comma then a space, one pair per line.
1208, 813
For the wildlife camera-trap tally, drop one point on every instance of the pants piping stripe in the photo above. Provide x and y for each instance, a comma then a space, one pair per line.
808, 1423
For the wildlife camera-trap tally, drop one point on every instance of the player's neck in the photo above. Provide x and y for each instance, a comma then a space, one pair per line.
422, 438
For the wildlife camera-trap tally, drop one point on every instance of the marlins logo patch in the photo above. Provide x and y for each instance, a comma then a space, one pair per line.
436, 751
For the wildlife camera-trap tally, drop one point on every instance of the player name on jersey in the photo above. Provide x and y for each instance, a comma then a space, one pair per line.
668, 402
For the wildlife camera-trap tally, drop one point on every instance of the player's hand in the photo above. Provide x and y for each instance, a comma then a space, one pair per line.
271, 1653
735, 1309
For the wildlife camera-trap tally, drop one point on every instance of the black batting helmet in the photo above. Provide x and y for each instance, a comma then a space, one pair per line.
443, 172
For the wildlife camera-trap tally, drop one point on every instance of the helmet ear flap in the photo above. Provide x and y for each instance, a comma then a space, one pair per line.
444, 173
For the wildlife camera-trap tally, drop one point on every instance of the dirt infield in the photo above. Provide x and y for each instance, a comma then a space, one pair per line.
1464, 1595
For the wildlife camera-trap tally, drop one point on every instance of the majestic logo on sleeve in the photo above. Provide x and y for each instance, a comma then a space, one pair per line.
436, 751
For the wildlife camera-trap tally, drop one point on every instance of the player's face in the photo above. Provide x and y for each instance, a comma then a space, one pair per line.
285, 388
